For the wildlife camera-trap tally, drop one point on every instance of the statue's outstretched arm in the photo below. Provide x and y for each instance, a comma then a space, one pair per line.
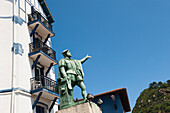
85, 58
63, 72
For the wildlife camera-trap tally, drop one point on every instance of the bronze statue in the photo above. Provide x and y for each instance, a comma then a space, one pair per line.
71, 70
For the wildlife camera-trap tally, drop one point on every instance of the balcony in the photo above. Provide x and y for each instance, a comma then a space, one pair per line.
44, 27
47, 54
46, 85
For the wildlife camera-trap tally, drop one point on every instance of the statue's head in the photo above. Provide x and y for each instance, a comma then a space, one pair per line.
66, 53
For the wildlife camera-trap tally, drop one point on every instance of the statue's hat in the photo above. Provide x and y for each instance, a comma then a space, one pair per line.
63, 53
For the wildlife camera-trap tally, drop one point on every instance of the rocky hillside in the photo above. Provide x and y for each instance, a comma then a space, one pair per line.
155, 99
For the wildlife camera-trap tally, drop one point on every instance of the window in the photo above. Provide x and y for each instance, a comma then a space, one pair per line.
39, 71
40, 109
39, 76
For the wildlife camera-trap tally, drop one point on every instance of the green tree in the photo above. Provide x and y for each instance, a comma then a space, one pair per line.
150, 85
159, 84
168, 82
167, 109
159, 95
164, 85
155, 85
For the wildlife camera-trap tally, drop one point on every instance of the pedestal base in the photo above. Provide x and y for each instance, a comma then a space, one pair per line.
88, 107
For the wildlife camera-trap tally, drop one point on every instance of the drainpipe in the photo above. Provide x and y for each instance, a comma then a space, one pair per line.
12, 82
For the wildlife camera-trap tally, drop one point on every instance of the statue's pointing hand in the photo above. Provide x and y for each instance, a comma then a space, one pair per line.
87, 56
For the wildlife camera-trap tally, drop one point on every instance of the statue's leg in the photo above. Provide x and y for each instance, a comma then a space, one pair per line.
83, 89
72, 82
73, 85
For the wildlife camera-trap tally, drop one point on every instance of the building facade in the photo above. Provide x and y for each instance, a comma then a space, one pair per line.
114, 101
27, 83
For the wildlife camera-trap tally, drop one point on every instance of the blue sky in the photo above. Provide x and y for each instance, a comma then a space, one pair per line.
129, 41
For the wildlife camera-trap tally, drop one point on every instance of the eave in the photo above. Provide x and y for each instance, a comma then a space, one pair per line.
123, 97
46, 10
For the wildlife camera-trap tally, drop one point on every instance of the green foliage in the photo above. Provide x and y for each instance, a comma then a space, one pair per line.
159, 83
164, 85
168, 82
150, 85
167, 109
155, 99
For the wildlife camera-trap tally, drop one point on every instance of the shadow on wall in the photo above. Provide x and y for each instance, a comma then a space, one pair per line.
7, 17
11, 1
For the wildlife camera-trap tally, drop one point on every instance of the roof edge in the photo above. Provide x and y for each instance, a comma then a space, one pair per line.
46, 10
123, 97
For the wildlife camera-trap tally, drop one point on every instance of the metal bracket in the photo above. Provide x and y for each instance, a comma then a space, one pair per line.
52, 105
33, 31
49, 69
36, 61
46, 39
17, 48
37, 99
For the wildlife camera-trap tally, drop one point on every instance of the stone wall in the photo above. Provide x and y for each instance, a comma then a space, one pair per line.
88, 107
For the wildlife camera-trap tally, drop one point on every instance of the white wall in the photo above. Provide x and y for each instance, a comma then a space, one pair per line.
6, 44
23, 103
21, 35
16, 65
5, 102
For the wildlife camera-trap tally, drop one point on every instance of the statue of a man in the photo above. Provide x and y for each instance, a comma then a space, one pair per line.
72, 71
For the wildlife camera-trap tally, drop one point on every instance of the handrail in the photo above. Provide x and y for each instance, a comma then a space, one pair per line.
39, 45
37, 16
43, 82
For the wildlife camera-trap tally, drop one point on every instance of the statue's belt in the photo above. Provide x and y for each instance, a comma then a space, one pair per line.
75, 72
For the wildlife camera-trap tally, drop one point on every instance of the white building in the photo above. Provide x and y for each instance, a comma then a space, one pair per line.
27, 83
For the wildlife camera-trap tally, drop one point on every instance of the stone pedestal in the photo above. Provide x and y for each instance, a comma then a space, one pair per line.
88, 107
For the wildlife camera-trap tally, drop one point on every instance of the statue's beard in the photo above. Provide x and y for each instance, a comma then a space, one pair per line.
69, 56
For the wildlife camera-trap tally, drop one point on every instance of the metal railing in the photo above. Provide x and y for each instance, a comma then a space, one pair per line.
43, 82
37, 16
39, 45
